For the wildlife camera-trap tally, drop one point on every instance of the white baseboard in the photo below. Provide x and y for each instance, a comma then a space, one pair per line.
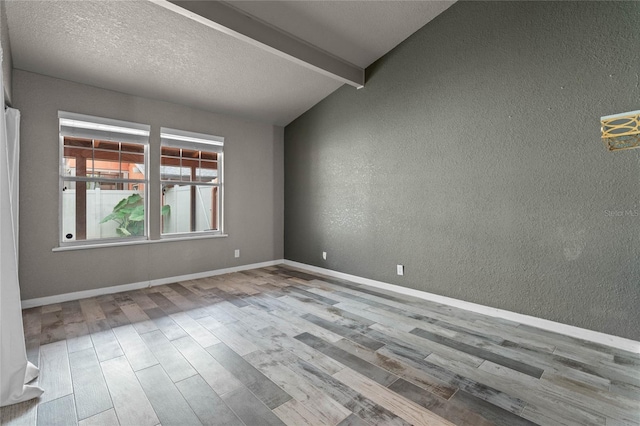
556, 327
59, 298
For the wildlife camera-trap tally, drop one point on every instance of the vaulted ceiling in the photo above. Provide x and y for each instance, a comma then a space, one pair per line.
181, 52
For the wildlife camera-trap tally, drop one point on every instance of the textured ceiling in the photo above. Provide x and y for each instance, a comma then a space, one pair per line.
140, 48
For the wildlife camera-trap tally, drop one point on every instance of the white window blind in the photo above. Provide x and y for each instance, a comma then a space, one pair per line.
90, 127
191, 140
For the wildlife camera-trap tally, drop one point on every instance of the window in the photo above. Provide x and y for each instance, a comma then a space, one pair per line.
102, 179
191, 181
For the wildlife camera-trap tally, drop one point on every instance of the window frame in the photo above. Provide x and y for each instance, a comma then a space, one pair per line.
104, 129
204, 143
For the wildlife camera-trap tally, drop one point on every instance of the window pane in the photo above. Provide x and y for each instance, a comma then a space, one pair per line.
102, 155
208, 171
130, 147
102, 209
189, 169
170, 164
78, 157
209, 155
190, 153
189, 208
69, 164
132, 166
170, 151
175, 173
107, 145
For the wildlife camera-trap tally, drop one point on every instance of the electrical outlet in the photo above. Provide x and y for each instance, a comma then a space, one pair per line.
400, 269
324, 255
236, 253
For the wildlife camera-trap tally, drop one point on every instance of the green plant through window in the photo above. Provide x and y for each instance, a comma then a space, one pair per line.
129, 215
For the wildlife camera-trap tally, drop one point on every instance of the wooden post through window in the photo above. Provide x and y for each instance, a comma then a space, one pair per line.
81, 199
193, 199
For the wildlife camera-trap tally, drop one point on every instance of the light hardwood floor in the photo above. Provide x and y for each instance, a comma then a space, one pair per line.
279, 346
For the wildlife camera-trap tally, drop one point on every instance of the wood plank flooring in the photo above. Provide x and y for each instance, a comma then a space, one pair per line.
277, 346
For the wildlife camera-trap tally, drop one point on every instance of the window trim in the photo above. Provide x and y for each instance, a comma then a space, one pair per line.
92, 127
201, 142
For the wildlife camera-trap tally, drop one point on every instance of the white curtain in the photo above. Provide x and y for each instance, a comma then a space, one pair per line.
15, 370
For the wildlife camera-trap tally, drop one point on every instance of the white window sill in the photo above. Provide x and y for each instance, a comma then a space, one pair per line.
164, 239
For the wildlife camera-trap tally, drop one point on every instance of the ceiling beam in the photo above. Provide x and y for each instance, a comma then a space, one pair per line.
229, 20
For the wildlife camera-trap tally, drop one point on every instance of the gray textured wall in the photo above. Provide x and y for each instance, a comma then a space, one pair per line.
473, 157
7, 64
253, 192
